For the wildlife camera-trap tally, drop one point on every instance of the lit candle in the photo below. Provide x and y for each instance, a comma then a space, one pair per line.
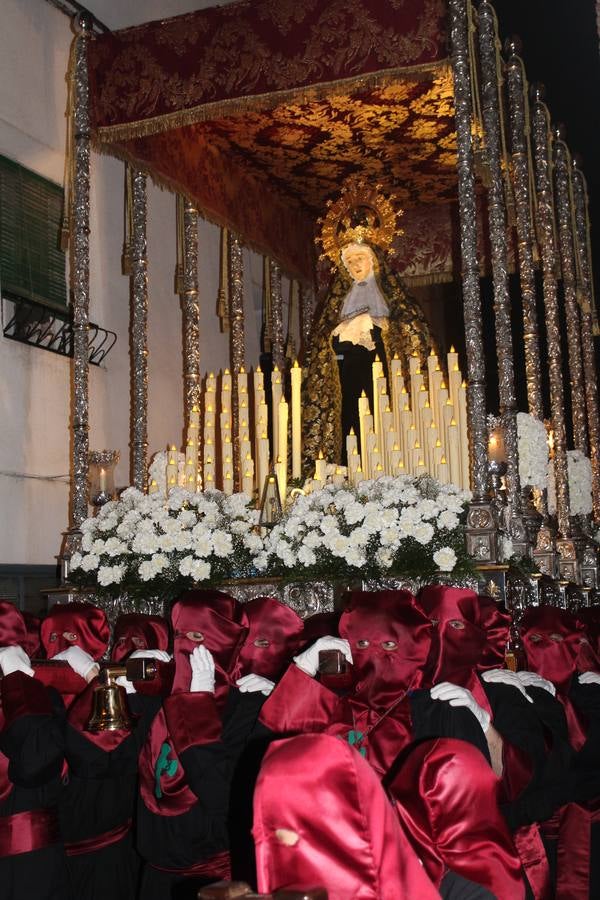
153, 487
353, 465
228, 477
258, 380
339, 476
262, 461
351, 444
191, 454
321, 468
413, 363
276, 394
211, 383
363, 410
102, 480
443, 475
172, 465
416, 383
282, 432
195, 417
377, 372
296, 384
464, 436
454, 453
248, 483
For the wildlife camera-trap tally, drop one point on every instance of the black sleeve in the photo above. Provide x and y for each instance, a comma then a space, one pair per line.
586, 700
436, 719
209, 768
514, 718
35, 749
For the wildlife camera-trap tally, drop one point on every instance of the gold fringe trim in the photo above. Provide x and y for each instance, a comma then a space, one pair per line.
425, 280
221, 108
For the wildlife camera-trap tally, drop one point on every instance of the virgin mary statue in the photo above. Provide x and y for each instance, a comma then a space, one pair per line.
366, 313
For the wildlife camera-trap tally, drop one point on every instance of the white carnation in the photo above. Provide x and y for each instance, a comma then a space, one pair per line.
445, 559
90, 562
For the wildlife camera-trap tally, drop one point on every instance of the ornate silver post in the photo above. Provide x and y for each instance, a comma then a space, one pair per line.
277, 337
81, 274
139, 331
520, 133
545, 207
306, 312
190, 308
481, 528
587, 330
562, 171
488, 42
238, 340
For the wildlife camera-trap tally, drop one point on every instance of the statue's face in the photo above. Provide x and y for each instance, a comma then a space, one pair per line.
358, 259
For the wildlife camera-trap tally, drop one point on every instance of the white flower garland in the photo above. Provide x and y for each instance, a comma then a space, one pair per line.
533, 452
580, 484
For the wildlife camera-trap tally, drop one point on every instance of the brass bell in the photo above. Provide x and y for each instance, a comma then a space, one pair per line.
109, 706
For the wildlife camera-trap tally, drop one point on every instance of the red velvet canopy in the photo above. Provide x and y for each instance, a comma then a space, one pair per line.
260, 110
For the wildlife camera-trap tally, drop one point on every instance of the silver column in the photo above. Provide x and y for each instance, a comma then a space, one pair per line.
190, 308
139, 331
238, 339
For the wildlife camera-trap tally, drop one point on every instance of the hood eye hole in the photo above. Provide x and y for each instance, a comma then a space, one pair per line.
535, 637
556, 637
262, 642
70, 636
457, 624
196, 636
389, 645
362, 645
53, 636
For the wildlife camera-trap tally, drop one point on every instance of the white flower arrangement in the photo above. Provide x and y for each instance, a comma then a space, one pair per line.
533, 452
391, 525
580, 484
144, 543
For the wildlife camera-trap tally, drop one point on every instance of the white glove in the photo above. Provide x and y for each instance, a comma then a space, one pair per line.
458, 696
532, 679
128, 685
14, 659
161, 655
203, 670
308, 660
589, 678
80, 661
252, 683
505, 676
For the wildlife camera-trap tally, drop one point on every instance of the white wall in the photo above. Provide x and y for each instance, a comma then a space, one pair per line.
35, 384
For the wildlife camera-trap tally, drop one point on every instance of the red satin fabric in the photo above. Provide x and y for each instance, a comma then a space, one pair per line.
13, 631
33, 643
26, 831
100, 841
555, 658
223, 624
496, 623
273, 638
218, 867
446, 797
343, 831
574, 851
135, 631
456, 651
87, 622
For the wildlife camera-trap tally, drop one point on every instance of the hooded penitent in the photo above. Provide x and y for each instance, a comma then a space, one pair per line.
459, 638
75, 624
273, 638
13, 631
496, 623
135, 631
448, 804
321, 819
218, 622
552, 640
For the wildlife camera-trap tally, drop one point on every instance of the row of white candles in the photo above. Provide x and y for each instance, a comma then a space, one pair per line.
205, 468
411, 431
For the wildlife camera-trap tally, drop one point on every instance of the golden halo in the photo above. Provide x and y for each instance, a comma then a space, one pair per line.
379, 220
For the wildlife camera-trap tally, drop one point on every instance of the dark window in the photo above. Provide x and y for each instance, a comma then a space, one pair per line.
32, 265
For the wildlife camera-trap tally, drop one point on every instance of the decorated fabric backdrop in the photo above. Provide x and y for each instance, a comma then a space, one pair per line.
261, 110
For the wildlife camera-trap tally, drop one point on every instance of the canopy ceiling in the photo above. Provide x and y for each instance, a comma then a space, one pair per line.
260, 111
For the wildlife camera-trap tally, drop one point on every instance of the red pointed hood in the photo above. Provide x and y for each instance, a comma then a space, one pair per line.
135, 631
496, 623
390, 640
273, 638
334, 828
12, 626
460, 634
86, 626
552, 642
